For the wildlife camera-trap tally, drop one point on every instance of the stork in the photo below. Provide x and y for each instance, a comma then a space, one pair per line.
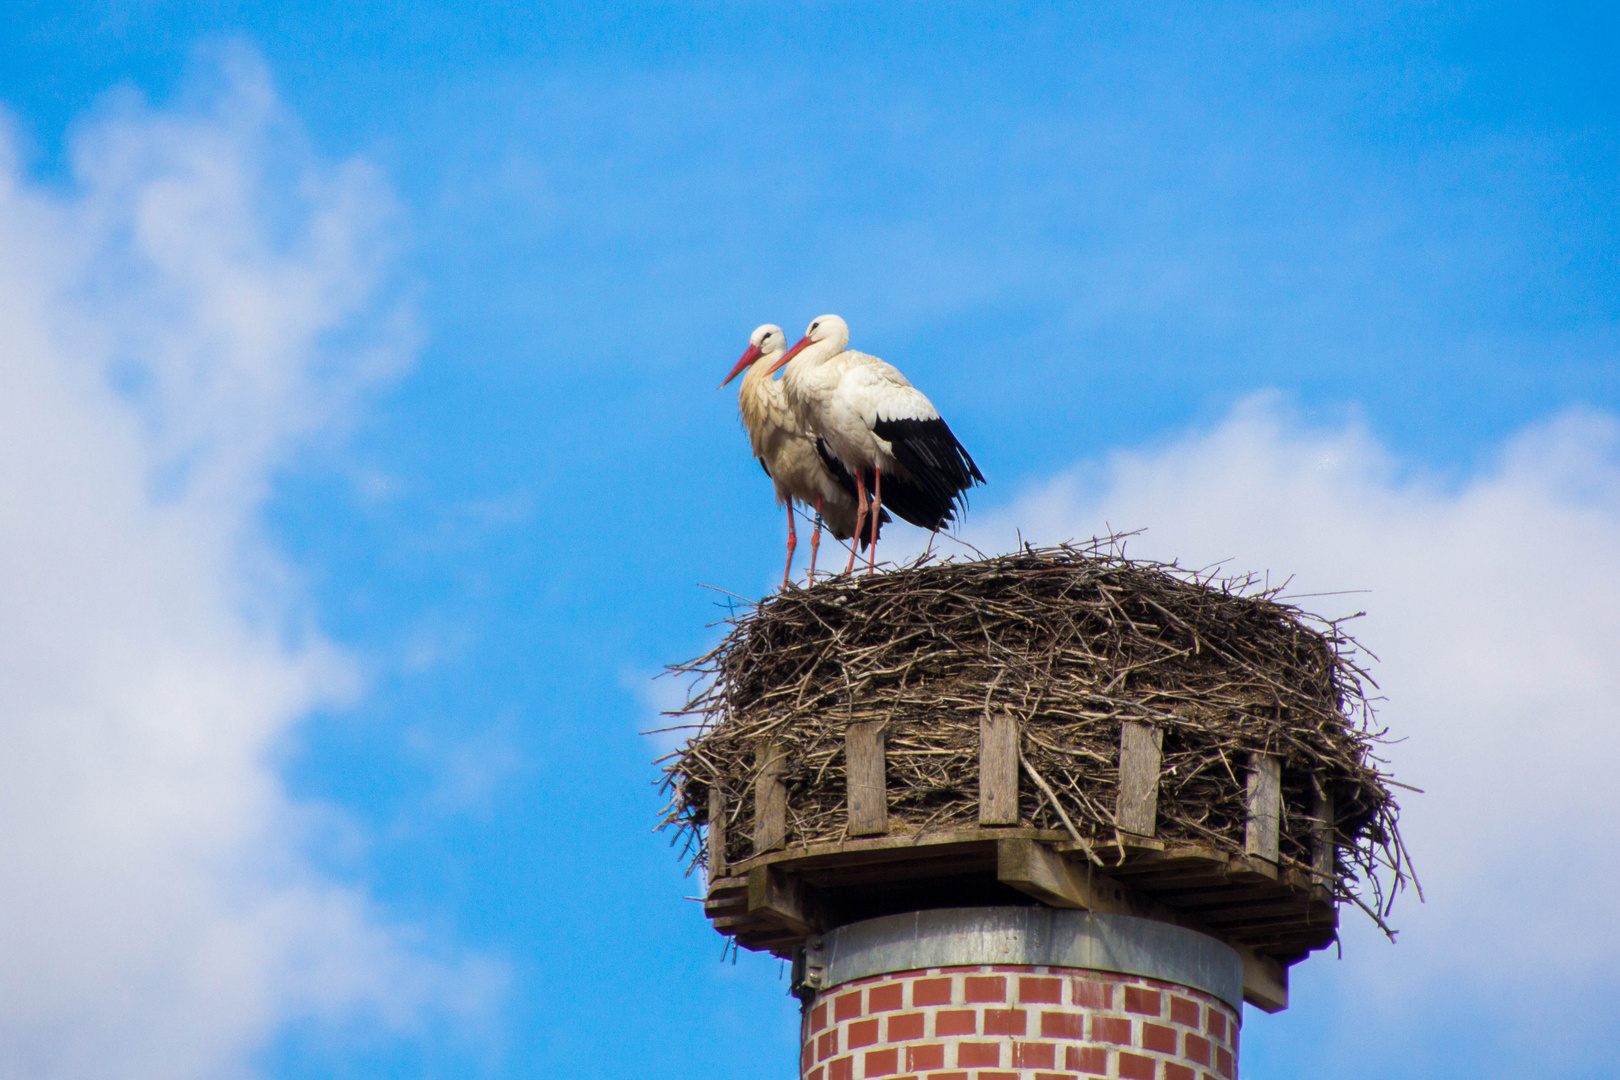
790, 456
874, 421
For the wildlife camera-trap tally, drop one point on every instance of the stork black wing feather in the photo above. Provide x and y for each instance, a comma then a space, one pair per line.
939, 467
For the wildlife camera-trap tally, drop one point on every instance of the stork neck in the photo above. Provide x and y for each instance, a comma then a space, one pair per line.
755, 375
818, 352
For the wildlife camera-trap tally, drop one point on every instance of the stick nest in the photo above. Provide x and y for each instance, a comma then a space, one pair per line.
1073, 641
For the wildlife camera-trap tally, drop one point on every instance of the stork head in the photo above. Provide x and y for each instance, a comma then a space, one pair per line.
764, 341
828, 332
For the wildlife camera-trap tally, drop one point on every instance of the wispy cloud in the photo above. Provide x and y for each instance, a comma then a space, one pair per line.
176, 323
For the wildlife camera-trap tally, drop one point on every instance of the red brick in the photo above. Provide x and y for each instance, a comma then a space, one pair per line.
861, 1033
930, 992
1034, 1055
925, 1056
970, 1055
1063, 1025
1054, 1076
1136, 1067
1158, 1037
986, 1074
1195, 1048
1091, 994
847, 1005
816, 1073
1183, 1011
1217, 1024
956, 1022
807, 1057
1172, 1071
842, 1069
1223, 1061
1004, 1021
886, 998
906, 1026
818, 1017
1146, 1002
948, 1076
1045, 991
985, 988
827, 1045
1089, 1059
881, 1062
1111, 1029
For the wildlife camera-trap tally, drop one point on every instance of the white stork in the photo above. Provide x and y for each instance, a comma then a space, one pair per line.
788, 454
873, 420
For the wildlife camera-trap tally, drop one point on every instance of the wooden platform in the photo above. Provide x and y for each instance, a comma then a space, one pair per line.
773, 902
1273, 913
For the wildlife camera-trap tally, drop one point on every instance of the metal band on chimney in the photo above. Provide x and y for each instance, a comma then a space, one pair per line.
1033, 936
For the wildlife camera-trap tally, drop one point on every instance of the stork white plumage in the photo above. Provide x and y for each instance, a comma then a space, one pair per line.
874, 421
788, 453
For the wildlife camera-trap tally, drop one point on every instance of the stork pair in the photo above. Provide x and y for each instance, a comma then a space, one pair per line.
848, 434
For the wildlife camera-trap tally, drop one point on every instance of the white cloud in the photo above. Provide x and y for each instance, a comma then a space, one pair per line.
169, 323
660, 693
1494, 606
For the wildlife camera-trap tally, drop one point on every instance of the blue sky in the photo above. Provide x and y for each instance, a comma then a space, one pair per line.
488, 490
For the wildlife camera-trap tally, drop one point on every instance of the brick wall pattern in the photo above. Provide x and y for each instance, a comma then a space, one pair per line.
1017, 1023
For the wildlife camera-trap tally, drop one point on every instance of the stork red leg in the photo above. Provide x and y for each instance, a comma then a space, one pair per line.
793, 542
860, 519
877, 512
815, 541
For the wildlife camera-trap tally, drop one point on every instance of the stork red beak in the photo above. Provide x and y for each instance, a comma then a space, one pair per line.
790, 354
754, 353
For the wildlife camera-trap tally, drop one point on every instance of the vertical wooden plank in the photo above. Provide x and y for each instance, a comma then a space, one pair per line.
1265, 807
770, 797
1324, 840
717, 832
1136, 802
998, 770
868, 794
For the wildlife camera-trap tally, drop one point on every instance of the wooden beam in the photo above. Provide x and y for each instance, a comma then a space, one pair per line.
717, 833
782, 899
1264, 807
1041, 872
867, 793
998, 770
1136, 799
1034, 868
770, 796
1265, 982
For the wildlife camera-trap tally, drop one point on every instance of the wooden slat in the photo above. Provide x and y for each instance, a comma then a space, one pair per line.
1136, 802
1324, 840
717, 833
770, 797
1264, 807
998, 770
867, 788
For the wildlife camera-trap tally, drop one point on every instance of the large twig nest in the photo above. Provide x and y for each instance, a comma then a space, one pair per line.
1071, 641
